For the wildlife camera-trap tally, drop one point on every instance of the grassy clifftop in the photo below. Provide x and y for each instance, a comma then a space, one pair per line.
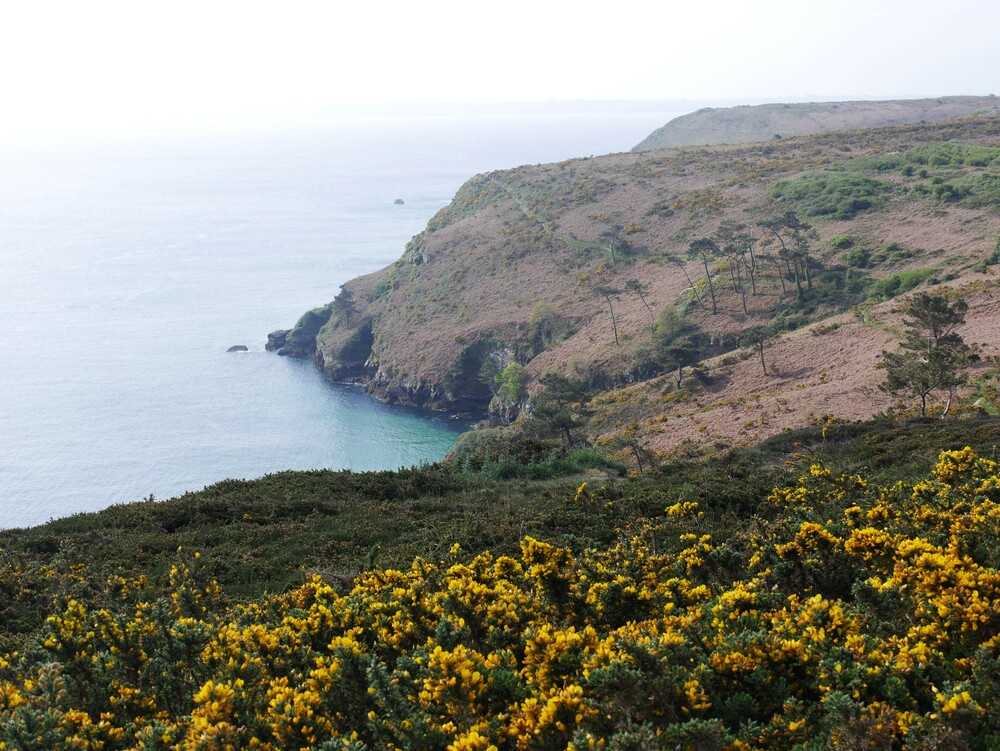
766, 121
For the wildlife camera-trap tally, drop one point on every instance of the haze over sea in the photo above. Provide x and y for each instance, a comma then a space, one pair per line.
130, 268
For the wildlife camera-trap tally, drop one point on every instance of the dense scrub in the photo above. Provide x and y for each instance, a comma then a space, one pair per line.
836, 612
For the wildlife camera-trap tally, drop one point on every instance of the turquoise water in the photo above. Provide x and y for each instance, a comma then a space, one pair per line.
130, 268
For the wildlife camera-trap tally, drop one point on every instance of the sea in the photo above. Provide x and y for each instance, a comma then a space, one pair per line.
131, 265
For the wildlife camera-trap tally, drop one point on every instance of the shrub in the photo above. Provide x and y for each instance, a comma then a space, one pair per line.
858, 258
511, 386
837, 195
897, 284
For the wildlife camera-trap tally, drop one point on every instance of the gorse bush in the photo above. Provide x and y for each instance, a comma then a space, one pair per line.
855, 616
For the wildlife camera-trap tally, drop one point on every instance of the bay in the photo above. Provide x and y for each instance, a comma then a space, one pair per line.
130, 267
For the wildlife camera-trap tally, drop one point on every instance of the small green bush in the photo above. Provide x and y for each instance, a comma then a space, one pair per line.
511, 386
897, 284
841, 242
858, 258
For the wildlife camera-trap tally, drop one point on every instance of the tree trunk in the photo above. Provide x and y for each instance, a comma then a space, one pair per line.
614, 322
652, 321
711, 287
691, 285
638, 459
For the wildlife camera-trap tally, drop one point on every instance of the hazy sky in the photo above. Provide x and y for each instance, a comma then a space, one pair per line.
83, 66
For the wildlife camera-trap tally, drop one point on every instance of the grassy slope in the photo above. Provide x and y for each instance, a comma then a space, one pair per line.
765, 121
463, 292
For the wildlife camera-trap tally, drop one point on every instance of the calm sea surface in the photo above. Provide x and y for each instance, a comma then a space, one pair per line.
129, 269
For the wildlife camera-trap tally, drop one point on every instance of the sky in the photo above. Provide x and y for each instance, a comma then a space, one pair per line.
71, 67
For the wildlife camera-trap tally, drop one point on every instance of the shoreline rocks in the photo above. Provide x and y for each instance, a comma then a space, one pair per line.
276, 340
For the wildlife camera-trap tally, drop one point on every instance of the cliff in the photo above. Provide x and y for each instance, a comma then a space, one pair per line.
516, 269
767, 121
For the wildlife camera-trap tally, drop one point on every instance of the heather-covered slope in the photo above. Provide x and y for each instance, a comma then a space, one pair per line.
763, 122
512, 271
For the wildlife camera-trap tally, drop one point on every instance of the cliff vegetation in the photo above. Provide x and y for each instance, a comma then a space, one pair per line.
701, 298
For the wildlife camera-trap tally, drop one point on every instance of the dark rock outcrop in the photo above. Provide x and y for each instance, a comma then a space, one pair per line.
238, 348
276, 340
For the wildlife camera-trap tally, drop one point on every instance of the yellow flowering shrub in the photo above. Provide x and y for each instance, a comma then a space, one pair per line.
852, 617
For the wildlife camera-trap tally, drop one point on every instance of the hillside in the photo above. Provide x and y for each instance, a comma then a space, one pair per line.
512, 271
705, 608
764, 122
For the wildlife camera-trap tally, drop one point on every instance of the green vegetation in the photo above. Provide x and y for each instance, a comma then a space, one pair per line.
942, 154
837, 195
778, 599
897, 284
932, 355
841, 242
511, 385
981, 190
302, 337
677, 343
560, 408
343, 306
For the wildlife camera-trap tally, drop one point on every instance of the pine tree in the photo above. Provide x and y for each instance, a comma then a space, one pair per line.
931, 355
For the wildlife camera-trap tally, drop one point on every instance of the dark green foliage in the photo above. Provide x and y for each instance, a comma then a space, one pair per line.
263, 535
560, 408
677, 343
841, 242
858, 258
505, 453
932, 354
943, 191
994, 257
837, 195
343, 306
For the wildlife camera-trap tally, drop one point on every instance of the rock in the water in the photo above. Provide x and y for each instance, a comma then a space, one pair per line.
399, 202
276, 339
238, 348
